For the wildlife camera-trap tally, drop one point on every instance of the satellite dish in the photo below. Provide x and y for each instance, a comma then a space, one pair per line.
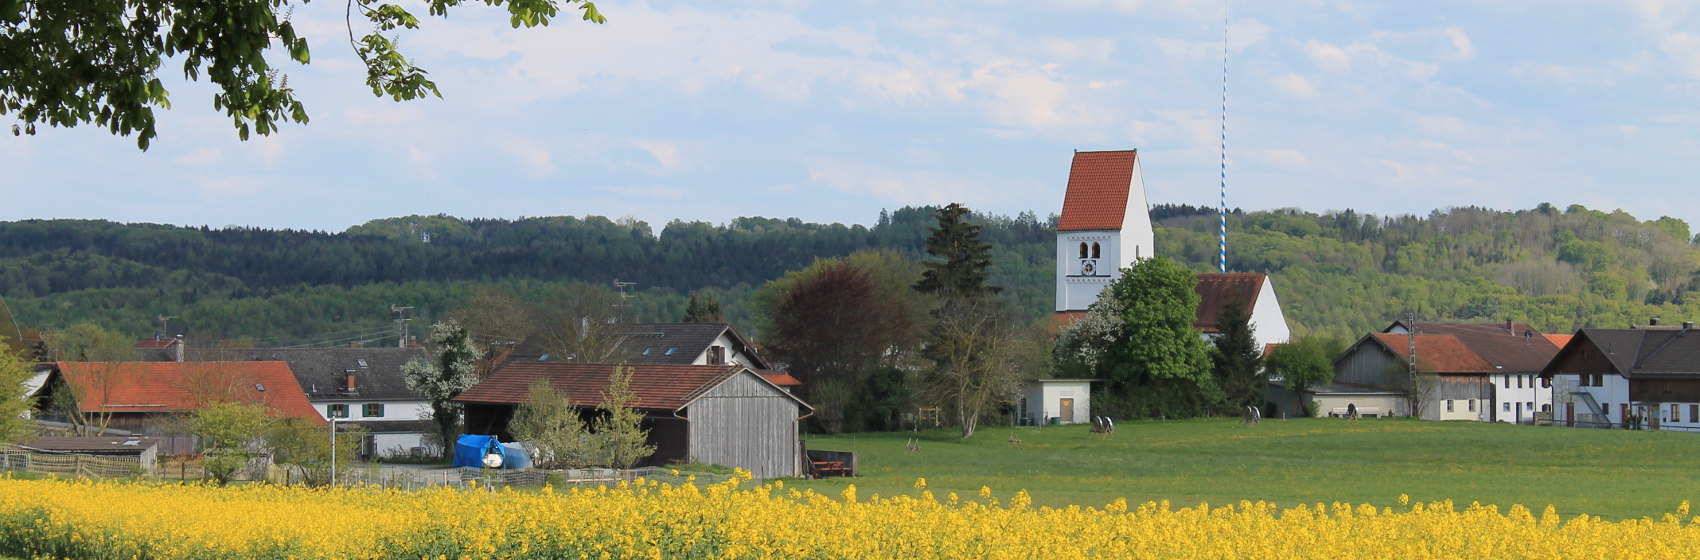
493, 461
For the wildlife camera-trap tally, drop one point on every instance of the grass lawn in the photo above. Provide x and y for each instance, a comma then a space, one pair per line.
1610, 473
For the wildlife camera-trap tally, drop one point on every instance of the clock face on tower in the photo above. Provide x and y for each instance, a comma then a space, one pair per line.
1088, 268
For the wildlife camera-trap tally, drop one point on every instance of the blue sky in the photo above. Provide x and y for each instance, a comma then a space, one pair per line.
830, 111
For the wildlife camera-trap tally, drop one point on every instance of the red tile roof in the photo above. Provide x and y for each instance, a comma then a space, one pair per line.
657, 386
782, 379
1559, 340
1437, 353
184, 386
1098, 184
1216, 290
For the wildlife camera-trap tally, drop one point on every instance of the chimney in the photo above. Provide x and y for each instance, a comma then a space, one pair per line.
1508, 325
1688, 325
1653, 321
180, 344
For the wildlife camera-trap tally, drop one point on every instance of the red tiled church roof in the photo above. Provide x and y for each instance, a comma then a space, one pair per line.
1216, 291
184, 386
1098, 184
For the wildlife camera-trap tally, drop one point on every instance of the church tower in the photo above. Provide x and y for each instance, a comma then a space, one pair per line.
1105, 226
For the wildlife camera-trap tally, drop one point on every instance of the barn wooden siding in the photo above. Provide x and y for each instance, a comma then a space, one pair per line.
745, 422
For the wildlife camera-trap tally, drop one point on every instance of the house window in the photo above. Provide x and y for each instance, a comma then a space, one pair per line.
1519, 382
1095, 250
1083, 249
1694, 413
373, 410
1449, 405
1529, 406
1546, 382
1507, 381
1676, 415
1505, 407
336, 411
717, 355
1472, 405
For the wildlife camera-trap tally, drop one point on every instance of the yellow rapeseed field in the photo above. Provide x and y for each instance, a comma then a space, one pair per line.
738, 519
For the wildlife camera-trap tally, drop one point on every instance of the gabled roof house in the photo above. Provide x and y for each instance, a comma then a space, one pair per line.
148, 397
1605, 376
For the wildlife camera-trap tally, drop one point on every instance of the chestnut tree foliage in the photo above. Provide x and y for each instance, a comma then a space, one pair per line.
75, 62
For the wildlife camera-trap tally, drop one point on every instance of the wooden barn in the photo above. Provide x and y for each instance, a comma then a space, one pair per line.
719, 414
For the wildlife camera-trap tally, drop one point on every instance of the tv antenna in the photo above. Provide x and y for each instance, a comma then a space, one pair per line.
163, 321
401, 320
622, 305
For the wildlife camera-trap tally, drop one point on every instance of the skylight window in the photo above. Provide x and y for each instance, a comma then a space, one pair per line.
647, 349
362, 362
671, 350
260, 387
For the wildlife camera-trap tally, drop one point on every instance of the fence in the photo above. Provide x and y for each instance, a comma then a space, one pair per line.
70, 464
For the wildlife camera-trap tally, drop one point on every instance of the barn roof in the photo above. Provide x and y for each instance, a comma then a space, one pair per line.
93, 444
656, 387
1217, 290
1098, 186
1472, 353
184, 386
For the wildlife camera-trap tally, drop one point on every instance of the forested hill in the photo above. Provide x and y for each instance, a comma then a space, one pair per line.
1338, 272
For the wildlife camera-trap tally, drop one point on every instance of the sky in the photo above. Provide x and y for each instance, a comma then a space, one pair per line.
830, 111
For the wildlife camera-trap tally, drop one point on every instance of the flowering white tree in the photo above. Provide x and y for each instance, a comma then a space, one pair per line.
449, 371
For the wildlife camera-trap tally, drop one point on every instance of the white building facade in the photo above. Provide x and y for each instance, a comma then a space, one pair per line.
1105, 226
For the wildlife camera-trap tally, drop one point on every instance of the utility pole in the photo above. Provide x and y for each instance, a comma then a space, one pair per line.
1411, 366
401, 323
163, 321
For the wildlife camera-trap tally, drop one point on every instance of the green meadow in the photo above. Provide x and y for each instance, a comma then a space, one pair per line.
1614, 474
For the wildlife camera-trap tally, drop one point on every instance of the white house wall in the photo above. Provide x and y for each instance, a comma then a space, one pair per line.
393, 410
1614, 392
1517, 397
1267, 318
732, 355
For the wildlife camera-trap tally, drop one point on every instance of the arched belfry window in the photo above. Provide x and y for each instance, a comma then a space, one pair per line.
1094, 250
1083, 249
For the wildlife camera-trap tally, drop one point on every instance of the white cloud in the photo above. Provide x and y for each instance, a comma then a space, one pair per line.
531, 153
1294, 86
665, 153
1328, 57
1285, 159
206, 155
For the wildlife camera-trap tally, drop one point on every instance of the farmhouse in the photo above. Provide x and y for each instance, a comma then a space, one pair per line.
1255, 292
700, 344
1604, 376
719, 414
152, 397
1467, 371
362, 387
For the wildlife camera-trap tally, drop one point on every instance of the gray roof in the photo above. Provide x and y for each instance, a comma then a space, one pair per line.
1641, 353
322, 371
660, 343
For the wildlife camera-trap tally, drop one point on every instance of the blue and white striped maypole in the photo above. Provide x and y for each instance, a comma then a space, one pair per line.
1223, 250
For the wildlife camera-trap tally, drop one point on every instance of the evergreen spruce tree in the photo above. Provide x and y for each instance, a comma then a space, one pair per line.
705, 310
963, 258
1236, 357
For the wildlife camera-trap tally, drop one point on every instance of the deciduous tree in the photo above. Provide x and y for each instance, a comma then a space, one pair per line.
975, 349
14, 406
831, 327
548, 419
449, 370
231, 435
73, 63
620, 435
1142, 343
1305, 362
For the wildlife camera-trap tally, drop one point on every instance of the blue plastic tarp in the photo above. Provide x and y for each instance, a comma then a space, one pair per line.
471, 449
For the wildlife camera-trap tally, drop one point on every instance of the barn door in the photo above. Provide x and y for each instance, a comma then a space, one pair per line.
1067, 409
